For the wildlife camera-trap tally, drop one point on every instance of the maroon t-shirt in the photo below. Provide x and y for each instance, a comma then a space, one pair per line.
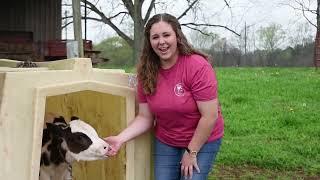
173, 104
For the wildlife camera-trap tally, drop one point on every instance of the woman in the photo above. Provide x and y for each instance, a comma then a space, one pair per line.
177, 95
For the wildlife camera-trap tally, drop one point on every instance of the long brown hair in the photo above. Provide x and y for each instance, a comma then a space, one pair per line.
149, 64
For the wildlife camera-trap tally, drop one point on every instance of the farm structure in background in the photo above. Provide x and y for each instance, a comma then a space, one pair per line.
19, 45
30, 30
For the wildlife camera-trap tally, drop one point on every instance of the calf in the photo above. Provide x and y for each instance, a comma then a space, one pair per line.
63, 143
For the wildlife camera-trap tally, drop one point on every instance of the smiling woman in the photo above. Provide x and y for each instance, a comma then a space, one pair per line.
177, 92
164, 43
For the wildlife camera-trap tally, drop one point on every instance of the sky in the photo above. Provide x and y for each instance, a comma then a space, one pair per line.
253, 13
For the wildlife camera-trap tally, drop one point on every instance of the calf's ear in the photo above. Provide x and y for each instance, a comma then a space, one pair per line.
54, 129
59, 119
48, 124
74, 118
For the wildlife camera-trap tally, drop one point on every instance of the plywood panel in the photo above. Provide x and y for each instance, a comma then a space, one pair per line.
102, 98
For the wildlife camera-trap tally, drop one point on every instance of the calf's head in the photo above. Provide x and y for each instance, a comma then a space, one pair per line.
81, 140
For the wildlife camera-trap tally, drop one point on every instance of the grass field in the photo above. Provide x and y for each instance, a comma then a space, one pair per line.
272, 123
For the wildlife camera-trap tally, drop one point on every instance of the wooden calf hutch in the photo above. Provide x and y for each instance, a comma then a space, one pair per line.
103, 98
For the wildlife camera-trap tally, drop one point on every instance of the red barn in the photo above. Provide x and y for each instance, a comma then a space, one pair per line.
31, 30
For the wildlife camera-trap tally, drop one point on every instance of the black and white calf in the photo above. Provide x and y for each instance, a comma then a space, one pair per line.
63, 143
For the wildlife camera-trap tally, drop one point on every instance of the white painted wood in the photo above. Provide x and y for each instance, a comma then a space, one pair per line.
23, 94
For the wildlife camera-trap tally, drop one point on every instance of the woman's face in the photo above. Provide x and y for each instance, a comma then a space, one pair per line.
163, 41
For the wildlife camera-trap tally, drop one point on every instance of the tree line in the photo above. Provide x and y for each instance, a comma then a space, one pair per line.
127, 19
269, 45
297, 56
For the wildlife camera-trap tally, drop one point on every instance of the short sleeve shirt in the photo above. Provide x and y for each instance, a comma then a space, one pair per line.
173, 103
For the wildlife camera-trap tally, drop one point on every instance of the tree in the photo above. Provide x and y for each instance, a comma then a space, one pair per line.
117, 51
271, 37
310, 9
302, 35
243, 43
246, 42
131, 10
203, 41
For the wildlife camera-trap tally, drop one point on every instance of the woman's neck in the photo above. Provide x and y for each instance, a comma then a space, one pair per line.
168, 63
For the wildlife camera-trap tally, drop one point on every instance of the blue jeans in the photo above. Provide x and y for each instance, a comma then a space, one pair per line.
167, 160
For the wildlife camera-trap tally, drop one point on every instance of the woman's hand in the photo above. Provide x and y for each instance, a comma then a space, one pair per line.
115, 144
188, 162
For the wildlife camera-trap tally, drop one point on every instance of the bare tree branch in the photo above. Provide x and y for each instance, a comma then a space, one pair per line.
90, 18
123, 17
147, 16
65, 25
199, 30
93, 19
304, 15
188, 9
134, 11
66, 17
108, 21
129, 6
114, 16
208, 25
227, 4
140, 3
303, 9
67, 5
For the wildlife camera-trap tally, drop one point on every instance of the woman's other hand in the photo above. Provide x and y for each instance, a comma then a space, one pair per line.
188, 162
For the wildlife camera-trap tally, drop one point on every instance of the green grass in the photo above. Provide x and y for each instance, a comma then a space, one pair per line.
272, 123
272, 119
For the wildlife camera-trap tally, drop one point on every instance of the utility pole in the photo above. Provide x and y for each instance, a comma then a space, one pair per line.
66, 22
316, 57
85, 20
77, 25
245, 39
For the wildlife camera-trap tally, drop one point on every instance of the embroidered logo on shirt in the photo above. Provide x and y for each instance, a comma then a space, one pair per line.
178, 89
